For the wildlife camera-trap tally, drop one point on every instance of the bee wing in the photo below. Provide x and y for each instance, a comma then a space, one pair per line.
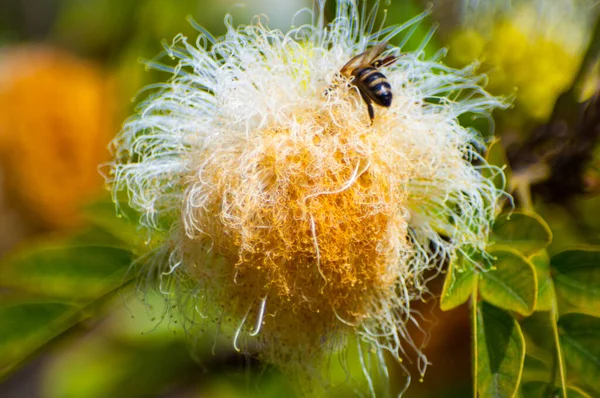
364, 58
374, 51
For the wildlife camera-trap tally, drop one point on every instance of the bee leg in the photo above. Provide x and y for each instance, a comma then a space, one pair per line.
369, 105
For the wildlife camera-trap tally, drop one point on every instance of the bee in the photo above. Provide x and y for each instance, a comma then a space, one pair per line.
371, 84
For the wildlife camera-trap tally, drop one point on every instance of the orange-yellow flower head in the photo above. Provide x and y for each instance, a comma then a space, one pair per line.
294, 220
56, 119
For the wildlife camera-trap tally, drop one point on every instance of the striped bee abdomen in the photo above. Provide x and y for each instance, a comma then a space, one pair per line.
375, 85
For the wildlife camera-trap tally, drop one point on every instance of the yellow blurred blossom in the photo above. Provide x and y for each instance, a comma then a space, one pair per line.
55, 125
533, 47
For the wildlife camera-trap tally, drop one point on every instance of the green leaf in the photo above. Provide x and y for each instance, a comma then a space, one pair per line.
123, 224
538, 389
500, 352
458, 286
51, 287
543, 343
537, 329
95, 236
580, 338
536, 369
576, 392
525, 232
576, 275
26, 326
67, 272
539, 361
511, 284
546, 294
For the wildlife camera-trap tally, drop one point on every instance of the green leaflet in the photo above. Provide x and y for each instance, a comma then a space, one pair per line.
458, 286
580, 338
49, 288
512, 284
500, 352
536, 368
26, 326
524, 232
538, 389
73, 273
122, 224
576, 275
544, 361
546, 293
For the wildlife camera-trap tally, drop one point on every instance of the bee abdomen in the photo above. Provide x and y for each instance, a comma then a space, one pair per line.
376, 86
382, 94
368, 75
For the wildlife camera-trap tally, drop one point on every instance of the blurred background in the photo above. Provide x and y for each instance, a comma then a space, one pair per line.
69, 74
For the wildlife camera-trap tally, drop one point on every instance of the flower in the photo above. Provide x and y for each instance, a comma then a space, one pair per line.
55, 123
534, 46
293, 221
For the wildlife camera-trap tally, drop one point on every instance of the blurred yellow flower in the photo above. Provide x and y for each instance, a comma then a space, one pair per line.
55, 125
534, 47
